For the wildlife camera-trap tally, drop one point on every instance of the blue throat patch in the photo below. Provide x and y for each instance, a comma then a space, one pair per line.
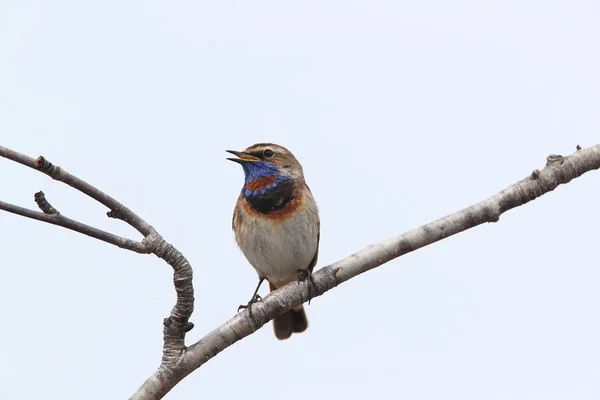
257, 170
265, 190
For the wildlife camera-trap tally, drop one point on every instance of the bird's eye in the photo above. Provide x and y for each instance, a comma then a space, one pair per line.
268, 153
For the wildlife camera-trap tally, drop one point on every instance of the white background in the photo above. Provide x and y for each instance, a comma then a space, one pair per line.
401, 112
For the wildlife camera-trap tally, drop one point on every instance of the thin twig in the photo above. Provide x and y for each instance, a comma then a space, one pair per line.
59, 174
61, 220
559, 170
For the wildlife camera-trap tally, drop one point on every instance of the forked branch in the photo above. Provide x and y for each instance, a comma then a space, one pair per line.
179, 361
177, 324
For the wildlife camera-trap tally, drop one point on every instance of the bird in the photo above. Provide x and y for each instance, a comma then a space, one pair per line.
276, 225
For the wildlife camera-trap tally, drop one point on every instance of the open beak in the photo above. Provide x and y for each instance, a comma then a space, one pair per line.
243, 157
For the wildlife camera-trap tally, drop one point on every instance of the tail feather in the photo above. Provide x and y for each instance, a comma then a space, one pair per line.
292, 321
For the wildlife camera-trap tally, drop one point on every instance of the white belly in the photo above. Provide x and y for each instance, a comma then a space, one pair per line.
278, 250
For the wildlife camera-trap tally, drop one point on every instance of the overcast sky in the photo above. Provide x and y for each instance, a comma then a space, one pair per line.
400, 112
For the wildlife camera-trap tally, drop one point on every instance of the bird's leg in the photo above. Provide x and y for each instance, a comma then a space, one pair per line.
307, 274
255, 297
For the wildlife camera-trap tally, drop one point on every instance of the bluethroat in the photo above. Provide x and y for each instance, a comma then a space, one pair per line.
276, 225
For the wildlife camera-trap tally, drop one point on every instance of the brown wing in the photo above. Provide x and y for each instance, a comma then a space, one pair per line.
236, 223
236, 220
314, 260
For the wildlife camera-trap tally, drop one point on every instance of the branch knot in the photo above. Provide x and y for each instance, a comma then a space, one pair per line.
554, 159
44, 205
153, 242
46, 167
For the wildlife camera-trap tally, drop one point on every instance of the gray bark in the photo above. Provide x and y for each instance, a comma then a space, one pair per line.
178, 361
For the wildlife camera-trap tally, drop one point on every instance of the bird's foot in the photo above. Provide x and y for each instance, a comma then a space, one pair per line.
306, 274
256, 298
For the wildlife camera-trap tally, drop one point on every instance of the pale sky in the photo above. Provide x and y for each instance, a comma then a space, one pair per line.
400, 112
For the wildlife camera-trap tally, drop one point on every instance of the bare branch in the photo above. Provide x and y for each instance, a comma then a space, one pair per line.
559, 170
61, 220
59, 174
176, 325
179, 361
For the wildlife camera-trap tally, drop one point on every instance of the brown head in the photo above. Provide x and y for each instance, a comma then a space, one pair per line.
268, 159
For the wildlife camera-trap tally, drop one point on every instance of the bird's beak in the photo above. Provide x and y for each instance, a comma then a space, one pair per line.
243, 157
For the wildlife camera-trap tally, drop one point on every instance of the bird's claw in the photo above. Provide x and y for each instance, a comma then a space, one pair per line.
248, 306
306, 274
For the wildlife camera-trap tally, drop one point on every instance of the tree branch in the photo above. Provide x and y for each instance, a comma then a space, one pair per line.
59, 174
179, 361
61, 220
176, 325
559, 170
